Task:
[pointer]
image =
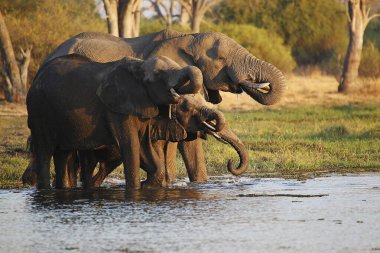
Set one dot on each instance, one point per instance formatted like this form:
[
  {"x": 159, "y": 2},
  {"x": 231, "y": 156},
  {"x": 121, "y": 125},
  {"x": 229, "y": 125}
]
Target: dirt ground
[{"x": 302, "y": 91}]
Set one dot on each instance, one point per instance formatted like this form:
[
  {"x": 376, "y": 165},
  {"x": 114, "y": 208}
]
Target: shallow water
[{"x": 328, "y": 214}]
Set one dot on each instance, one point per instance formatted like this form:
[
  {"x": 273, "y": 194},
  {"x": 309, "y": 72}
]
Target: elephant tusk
[
  {"x": 174, "y": 93},
  {"x": 217, "y": 137},
  {"x": 255, "y": 85},
  {"x": 210, "y": 127}
]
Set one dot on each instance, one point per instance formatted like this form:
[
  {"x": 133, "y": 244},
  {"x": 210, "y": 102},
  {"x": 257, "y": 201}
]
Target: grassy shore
[{"x": 303, "y": 136}]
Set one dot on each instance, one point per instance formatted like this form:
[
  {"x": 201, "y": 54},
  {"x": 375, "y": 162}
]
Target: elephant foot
[
  {"x": 147, "y": 184},
  {"x": 29, "y": 177}
]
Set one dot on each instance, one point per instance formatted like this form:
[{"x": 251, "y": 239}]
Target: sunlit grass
[{"x": 291, "y": 142}]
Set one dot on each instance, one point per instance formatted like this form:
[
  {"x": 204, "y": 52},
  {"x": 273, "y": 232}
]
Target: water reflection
[{"x": 62, "y": 198}]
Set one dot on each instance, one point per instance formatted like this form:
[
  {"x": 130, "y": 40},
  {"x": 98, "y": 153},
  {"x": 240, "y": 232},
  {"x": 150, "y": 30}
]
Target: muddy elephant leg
[
  {"x": 88, "y": 163},
  {"x": 153, "y": 162},
  {"x": 105, "y": 168},
  {"x": 43, "y": 156},
  {"x": 192, "y": 154},
  {"x": 29, "y": 177},
  {"x": 73, "y": 167},
  {"x": 130, "y": 153},
  {"x": 61, "y": 169},
  {"x": 170, "y": 162}
]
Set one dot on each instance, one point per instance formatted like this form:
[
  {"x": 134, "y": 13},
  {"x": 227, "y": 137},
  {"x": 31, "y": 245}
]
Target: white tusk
[
  {"x": 218, "y": 137},
  {"x": 208, "y": 126},
  {"x": 174, "y": 93},
  {"x": 255, "y": 85}
]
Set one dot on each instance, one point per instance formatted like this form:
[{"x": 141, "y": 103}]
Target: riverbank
[{"x": 312, "y": 131}]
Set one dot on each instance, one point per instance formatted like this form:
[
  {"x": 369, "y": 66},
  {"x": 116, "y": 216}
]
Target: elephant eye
[{"x": 186, "y": 106}]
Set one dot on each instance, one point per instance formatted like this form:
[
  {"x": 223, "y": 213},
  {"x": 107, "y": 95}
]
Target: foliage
[
  {"x": 371, "y": 34},
  {"x": 315, "y": 30},
  {"x": 370, "y": 62},
  {"x": 47, "y": 23}
]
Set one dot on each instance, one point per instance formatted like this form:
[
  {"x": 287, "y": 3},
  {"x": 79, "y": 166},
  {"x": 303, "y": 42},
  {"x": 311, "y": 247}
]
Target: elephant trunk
[
  {"x": 195, "y": 78},
  {"x": 261, "y": 80},
  {"x": 226, "y": 135},
  {"x": 208, "y": 115}
]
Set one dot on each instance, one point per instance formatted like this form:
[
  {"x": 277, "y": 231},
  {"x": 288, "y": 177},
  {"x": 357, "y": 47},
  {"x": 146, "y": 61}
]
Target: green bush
[
  {"x": 47, "y": 23},
  {"x": 315, "y": 30},
  {"x": 370, "y": 62}
]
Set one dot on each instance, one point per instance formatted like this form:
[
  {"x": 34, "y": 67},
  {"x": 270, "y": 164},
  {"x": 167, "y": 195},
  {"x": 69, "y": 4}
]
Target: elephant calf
[{"x": 77, "y": 104}]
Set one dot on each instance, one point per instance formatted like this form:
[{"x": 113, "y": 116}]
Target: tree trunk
[
  {"x": 354, "y": 50},
  {"x": 110, "y": 7},
  {"x": 196, "y": 16},
  {"x": 184, "y": 17},
  {"x": 24, "y": 65},
  {"x": 13, "y": 88},
  {"x": 129, "y": 18},
  {"x": 359, "y": 17}
]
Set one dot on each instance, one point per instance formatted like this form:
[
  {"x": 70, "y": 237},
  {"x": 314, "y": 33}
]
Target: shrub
[{"x": 370, "y": 62}]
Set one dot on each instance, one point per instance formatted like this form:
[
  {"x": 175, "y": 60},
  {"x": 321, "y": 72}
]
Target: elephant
[
  {"x": 225, "y": 65},
  {"x": 77, "y": 104},
  {"x": 109, "y": 158}
]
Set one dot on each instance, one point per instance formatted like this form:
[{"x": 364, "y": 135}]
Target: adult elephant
[
  {"x": 77, "y": 104},
  {"x": 225, "y": 65}
]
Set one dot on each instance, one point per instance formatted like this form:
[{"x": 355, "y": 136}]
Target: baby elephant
[{"x": 75, "y": 104}]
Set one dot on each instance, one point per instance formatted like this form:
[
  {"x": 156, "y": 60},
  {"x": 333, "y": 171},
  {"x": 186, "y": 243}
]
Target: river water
[{"x": 327, "y": 214}]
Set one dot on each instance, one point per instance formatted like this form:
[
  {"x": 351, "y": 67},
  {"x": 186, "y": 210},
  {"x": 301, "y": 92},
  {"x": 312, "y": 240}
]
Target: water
[{"x": 328, "y": 214}]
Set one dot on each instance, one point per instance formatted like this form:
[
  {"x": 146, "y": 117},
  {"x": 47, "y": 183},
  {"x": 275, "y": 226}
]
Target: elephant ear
[
  {"x": 167, "y": 130},
  {"x": 121, "y": 92}
]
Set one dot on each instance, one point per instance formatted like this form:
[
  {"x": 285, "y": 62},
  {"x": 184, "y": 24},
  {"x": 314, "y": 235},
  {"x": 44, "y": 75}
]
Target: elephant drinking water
[{"x": 77, "y": 104}]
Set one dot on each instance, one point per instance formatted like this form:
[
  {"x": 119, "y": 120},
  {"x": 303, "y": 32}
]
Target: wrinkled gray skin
[
  {"x": 77, "y": 104},
  {"x": 225, "y": 65}
]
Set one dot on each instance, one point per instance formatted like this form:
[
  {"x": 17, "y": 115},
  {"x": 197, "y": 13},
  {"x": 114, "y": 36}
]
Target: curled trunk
[
  {"x": 209, "y": 115},
  {"x": 227, "y": 135},
  {"x": 195, "y": 78},
  {"x": 266, "y": 73}
]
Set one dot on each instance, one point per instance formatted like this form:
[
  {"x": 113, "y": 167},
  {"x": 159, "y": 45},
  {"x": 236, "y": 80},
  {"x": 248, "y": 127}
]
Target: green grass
[{"x": 293, "y": 142}]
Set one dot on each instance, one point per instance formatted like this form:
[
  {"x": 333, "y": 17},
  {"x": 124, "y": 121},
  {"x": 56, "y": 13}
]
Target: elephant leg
[
  {"x": 43, "y": 156},
  {"x": 130, "y": 152},
  {"x": 73, "y": 167},
  {"x": 29, "y": 177},
  {"x": 170, "y": 162},
  {"x": 105, "y": 168},
  {"x": 88, "y": 163},
  {"x": 192, "y": 154},
  {"x": 61, "y": 165},
  {"x": 153, "y": 162}
]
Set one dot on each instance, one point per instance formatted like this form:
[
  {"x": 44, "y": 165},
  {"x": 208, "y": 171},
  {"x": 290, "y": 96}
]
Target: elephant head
[
  {"x": 138, "y": 87},
  {"x": 226, "y": 66}
]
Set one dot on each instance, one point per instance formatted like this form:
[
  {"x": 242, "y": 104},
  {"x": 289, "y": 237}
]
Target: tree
[
  {"x": 27, "y": 25},
  {"x": 358, "y": 18},
  {"x": 123, "y": 17},
  {"x": 165, "y": 11},
  {"x": 196, "y": 10},
  {"x": 14, "y": 77}
]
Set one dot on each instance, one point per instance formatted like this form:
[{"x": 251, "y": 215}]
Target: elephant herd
[{"x": 100, "y": 100}]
